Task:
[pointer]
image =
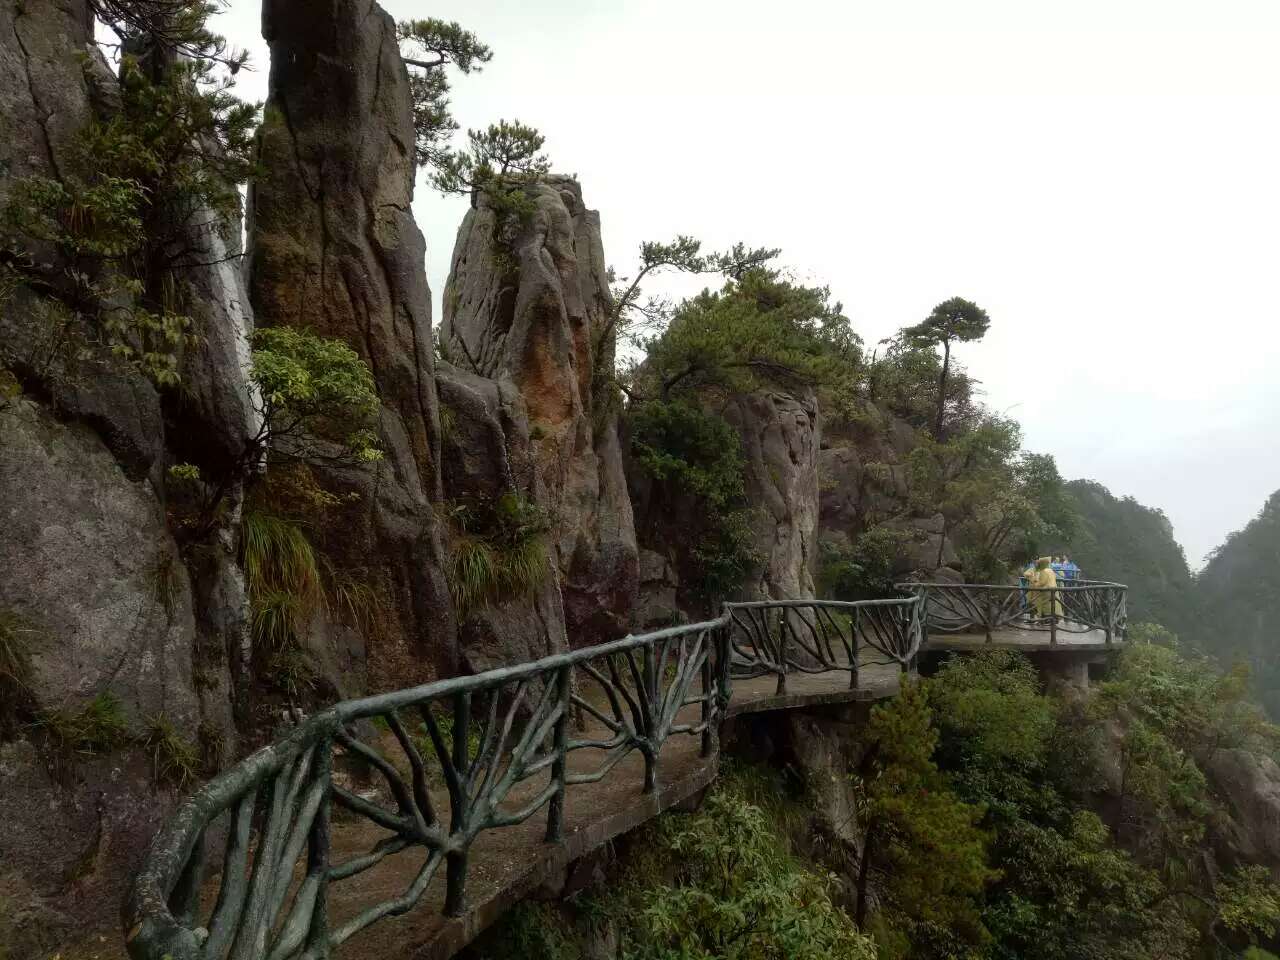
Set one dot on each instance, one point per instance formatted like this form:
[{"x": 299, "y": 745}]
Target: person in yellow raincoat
[{"x": 1043, "y": 603}]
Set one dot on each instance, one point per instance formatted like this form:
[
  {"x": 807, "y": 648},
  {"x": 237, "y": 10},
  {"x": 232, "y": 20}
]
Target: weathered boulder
[
  {"x": 780, "y": 440},
  {"x": 924, "y": 546},
  {"x": 334, "y": 249},
  {"x": 68, "y": 845},
  {"x": 532, "y": 310},
  {"x": 90, "y": 566}
]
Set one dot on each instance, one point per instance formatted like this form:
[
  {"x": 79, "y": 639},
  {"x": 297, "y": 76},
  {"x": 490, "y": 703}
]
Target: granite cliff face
[
  {"x": 863, "y": 483},
  {"x": 780, "y": 440},
  {"x": 527, "y": 312},
  {"x": 334, "y": 249},
  {"x": 95, "y": 584}
]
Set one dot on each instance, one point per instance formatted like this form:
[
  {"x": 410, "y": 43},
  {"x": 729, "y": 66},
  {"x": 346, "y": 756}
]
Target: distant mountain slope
[
  {"x": 1120, "y": 539},
  {"x": 1238, "y": 601}
]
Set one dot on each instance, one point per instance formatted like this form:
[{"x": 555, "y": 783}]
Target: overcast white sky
[{"x": 1102, "y": 176}]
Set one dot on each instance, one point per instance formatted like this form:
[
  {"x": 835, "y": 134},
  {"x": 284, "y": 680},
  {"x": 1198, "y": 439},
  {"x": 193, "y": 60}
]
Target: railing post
[
  {"x": 708, "y": 700},
  {"x": 922, "y": 611},
  {"x": 853, "y": 648},
  {"x": 317, "y": 944},
  {"x": 649, "y": 679},
  {"x": 1053, "y": 617},
  {"x": 456, "y": 862},
  {"x": 782, "y": 651},
  {"x": 649, "y": 676},
  {"x": 1111, "y": 613},
  {"x": 990, "y": 615},
  {"x": 555, "y": 812},
  {"x": 724, "y": 680}
]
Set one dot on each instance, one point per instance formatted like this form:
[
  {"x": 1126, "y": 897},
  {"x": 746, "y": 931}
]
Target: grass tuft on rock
[
  {"x": 499, "y": 550},
  {"x": 174, "y": 759}
]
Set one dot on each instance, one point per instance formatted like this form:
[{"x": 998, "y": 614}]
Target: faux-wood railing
[
  {"x": 1076, "y": 608},
  {"x": 482, "y": 737}
]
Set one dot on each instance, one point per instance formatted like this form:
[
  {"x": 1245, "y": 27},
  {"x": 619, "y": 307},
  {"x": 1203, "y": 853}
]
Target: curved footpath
[{"x": 353, "y": 836}]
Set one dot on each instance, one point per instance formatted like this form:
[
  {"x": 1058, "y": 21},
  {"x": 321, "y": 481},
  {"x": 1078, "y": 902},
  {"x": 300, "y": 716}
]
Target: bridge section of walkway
[{"x": 482, "y": 787}]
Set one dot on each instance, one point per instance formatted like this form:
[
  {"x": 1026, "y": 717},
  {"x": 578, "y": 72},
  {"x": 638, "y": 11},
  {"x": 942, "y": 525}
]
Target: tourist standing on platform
[{"x": 1043, "y": 601}]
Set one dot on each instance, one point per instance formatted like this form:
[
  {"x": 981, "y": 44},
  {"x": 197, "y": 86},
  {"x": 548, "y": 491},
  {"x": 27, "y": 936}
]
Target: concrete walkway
[{"x": 507, "y": 865}]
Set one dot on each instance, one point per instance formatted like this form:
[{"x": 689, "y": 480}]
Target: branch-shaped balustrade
[
  {"x": 817, "y": 636},
  {"x": 1078, "y": 607},
  {"x": 460, "y": 757}
]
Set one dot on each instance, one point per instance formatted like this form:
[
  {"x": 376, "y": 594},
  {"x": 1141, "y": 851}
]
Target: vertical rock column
[
  {"x": 528, "y": 312},
  {"x": 780, "y": 441},
  {"x": 334, "y": 249}
]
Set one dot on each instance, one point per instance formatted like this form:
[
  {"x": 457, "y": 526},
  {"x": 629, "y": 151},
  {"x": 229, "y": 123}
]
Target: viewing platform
[{"x": 403, "y": 824}]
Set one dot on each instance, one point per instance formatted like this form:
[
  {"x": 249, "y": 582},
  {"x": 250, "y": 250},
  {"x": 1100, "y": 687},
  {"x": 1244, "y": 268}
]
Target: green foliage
[
  {"x": 291, "y": 671},
  {"x": 921, "y": 839},
  {"x": 683, "y": 255},
  {"x": 317, "y": 393},
  {"x": 502, "y": 162},
  {"x": 864, "y": 570},
  {"x": 422, "y": 740},
  {"x": 1144, "y": 632},
  {"x": 758, "y": 330},
  {"x": 1171, "y": 714},
  {"x": 277, "y": 555},
  {"x": 428, "y": 47},
  {"x": 694, "y": 456},
  {"x": 954, "y": 320},
  {"x": 735, "y": 895},
  {"x": 721, "y": 884},
  {"x": 133, "y": 186},
  {"x": 184, "y": 473},
  {"x": 904, "y": 381},
  {"x": 531, "y": 930},
  {"x": 1249, "y": 902},
  {"x": 175, "y": 26},
  {"x": 695, "y": 451},
  {"x": 283, "y": 578},
  {"x": 503, "y": 157},
  {"x": 499, "y": 550},
  {"x": 174, "y": 759},
  {"x": 1066, "y": 887}
]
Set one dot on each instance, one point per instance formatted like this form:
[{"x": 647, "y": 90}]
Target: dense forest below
[{"x": 976, "y": 815}]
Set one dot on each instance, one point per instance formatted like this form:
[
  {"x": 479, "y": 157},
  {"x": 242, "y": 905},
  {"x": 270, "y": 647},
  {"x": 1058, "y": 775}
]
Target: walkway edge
[{"x": 461, "y": 931}]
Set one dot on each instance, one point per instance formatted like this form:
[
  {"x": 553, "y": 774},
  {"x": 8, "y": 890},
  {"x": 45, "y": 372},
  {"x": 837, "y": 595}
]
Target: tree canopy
[{"x": 954, "y": 320}]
